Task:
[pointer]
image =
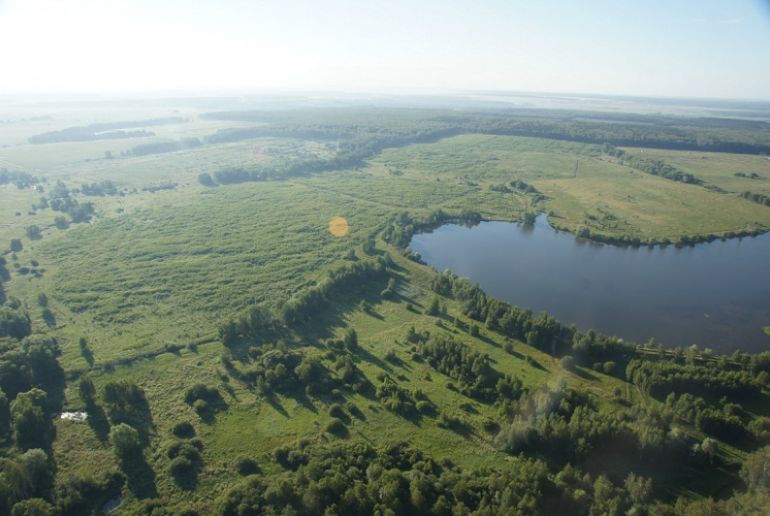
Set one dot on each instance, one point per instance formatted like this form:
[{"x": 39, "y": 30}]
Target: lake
[{"x": 715, "y": 294}]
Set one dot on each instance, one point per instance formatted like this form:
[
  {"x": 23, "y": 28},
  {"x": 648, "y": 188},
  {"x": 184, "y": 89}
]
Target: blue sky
[{"x": 677, "y": 48}]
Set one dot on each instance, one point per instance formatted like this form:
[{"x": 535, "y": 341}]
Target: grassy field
[
  {"x": 253, "y": 427},
  {"x": 718, "y": 168},
  {"x": 583, "y": 188},
  {"x": 167, "y": 267}
]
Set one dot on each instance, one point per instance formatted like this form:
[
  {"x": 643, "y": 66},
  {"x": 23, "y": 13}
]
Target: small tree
[
  {"x": 710, "y": 447},
  {"x": 87, "y": 392},
  {"x": 39, "y": 472},
  {"x": 16, "y": 245},
  {"x": 567, "y": 362},
  {"x": 34, "y": 233},
  {"x": 125, "y": 441},
  {"x": 206, "y": 180},
  {"x": 351, "y": 339},
  {"x": 33, "y": 429},
  {"x": 639, "y": 488},
  {"x": 61, "y": 222},
  {"x": 434, "y": 308},
  {"x": 755, "y": 471},
  {"x": 85, "y": 352}
]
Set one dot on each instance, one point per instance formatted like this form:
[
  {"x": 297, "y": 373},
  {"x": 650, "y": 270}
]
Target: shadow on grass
[
  {"x": 584, "y": 374},
  {"x": 273, "y": 402},
  {"x": 398, "y": 362},
  {"x": 461, "y": 428},
  {"x": 367, "y": 356},
  {"x": 485, "y": 339},
  {"x": 140, "y": 477},
  {"x": 357, "y": 413},
  {"x": 534, "y": 363},
  {"x": 516, "y": 354},
  {"x": 323, "y": 323},
  {"x": 98, "y": 422},
  {"x": 301, "y": 398}
]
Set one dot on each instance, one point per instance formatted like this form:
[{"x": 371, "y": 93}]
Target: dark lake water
[{"x": 714, "y": 294}]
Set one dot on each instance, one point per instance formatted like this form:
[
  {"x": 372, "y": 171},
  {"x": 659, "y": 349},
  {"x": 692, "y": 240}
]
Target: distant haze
[{"x": 716, "y": 49}]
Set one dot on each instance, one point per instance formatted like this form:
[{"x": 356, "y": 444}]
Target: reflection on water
[{"x": 714, "y": 294}]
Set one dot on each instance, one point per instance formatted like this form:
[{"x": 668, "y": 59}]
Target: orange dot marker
[{"x": 339, "y": 227}]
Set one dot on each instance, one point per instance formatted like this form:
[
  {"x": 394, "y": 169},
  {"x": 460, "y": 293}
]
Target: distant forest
[
  {"x": 654, "y": 131},
  {"x": 103, "y": 131}
]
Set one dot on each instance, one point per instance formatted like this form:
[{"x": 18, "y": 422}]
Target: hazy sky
[{"x": 663, "y": 48}]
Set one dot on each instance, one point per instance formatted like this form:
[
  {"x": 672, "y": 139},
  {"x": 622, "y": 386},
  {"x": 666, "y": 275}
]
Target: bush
[
  {"x": 336, "y": 427},
  {"x": 246, "y": 466},
  {"x": 567, "y": 363},
  {"x": 201, "y": 408},
  {"x": 14, "y": 323},
  {"x": 184, "y": 430},
  {"x": 490, "y": 426},
  {"x": 760, "y": 429},
  {"x": 182, "y": 469},
  {"x": 335, "y": 410},
  {"x": 424, "y": 407},
  {"x": 201, "y": 392}
]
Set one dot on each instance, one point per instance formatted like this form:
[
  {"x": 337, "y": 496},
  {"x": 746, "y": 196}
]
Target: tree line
[
  {"x": 102, "y": 131},
  {"x": 358, "y": 478},
  {"x": 261, "y": 322}
]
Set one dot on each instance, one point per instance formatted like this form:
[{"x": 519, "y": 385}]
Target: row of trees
[
  {"x": 472, "y": 370},
  {"x": 145, "y": 149},
  {"x": 659, "y": 378},
  {"x": 756, "y": 197},
  {"x": 652, "y": 166},
  {"x": 20, "y": 179},
  {"x": 100, "y": 189}
]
